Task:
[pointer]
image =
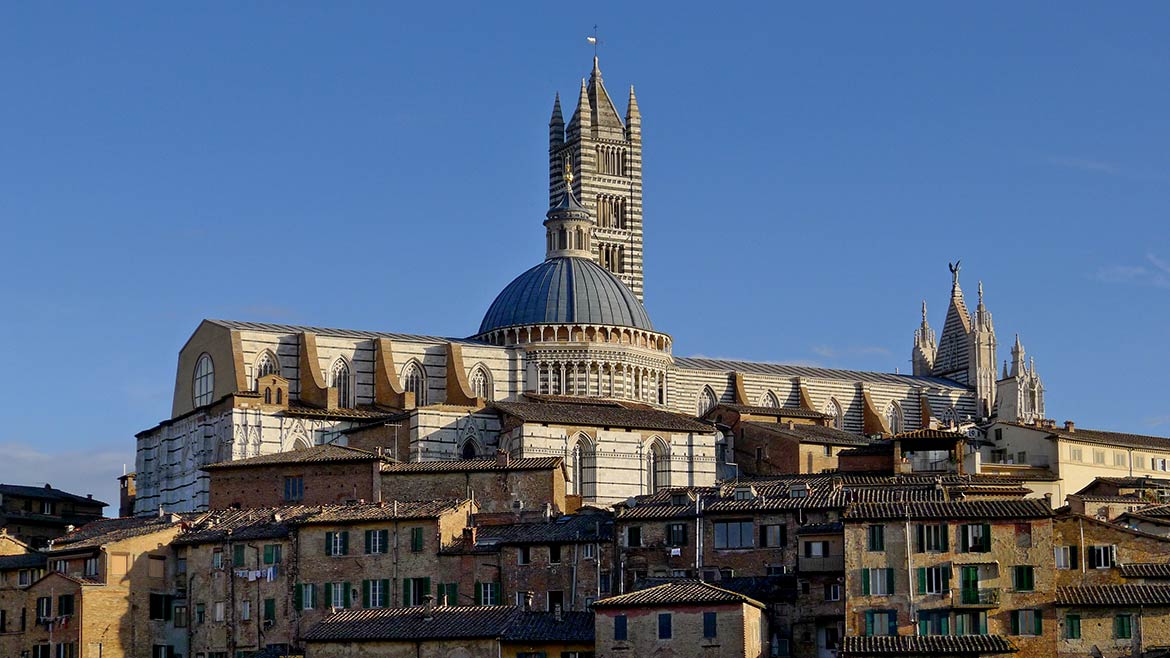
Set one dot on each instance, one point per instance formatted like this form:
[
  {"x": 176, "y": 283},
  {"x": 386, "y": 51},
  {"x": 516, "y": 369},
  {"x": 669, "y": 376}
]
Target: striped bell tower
[{"x": 605, "y": 155}]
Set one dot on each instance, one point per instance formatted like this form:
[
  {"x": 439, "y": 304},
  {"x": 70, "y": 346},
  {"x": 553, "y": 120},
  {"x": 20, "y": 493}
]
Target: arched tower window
[
  {"x": 481, "y": 383},
  {"x": 657, "y": 467},
  {"x": 707, "y": 400},
  {"x": 203, "y": 383},
  {"x": 894, "y": 417},
  {"x": 835, "y": 414},
  {"x": 950, "y": 418},
  {"x": 414, "y": 380},
  {"x": 266, "y": 364},
  {"x": 339, "y": 378},
  {"x": 580, "y": 453},
  {"x": 468, "y": 451},
  {"x": 770, "y": 400}
]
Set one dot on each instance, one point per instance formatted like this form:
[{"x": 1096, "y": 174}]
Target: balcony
[
  {"x": 821, "y": 563},
  {"x": 970, "y": 597}
]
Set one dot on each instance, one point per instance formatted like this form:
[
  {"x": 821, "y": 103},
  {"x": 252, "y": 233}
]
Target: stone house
[
  {"x": 326, "y": 474},
  {"x": 1112, "y": 621},
  {"x": 685, "y": 617},
  {"x": 958, "y": 567},
  {"x": 1089, "y": 551},
  {"x": 36, "y": 515},
  {"x": 502, "y": 484}
]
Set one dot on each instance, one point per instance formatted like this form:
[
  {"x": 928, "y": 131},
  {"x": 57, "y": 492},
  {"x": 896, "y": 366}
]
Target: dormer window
[
  {"x": 680, "y": 499},
  {"x": 745, "y": 493},
  {"x": 799, "y": 490}
]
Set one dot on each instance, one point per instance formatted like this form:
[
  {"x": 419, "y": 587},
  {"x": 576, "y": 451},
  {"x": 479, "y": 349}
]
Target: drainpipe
[
  {"x": 910, "y": 578},
  {"x": 576, "y": 558},
  {"x": 698, "y": 535},
  {"x": 1082, "y": 557}
]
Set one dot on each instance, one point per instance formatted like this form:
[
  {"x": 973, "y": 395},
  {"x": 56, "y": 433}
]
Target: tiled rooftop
[
  {"x": 1145, "y": 570},
  {"x": 1030, "y": 508},
  {"x": 461, "y": 465},
  {"x": 46, "y": 493},
  {"x": 510, "y": 624},
  {"x": 107, "y": 531},
  {"x": 789, "y": 371},
  {"x": 680, "y": 592},
  {"x": 924, "y": 645},
  {"x": 594, "y": 415},
  {"x": 1114, "y": 595},
  {"x": 817, "y": 434},
  {"x": 322, "y": 454},
  {"x": 787, "y": 412}
]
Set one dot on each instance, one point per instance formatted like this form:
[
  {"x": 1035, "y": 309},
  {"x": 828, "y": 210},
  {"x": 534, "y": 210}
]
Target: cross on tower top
[{"x": 594, "y": 40}]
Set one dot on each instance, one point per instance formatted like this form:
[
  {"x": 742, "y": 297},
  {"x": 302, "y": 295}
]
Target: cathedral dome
[{"x": 566, "y": 290}]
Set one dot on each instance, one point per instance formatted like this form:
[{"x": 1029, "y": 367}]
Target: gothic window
[
  {"x": 950, "y": 418},
  {"x": 836, "y": 416},
  {"x": 481, "y": 385},
  {"x": 468, "y": 450},
  {"x": 266, "y": 364},
  {"x": 580, "y": 452},
  {"x": 204, "y": 380},
  {"x": 339, "y": 376},
  {"x": 770, "y": 400},
  {"x": 414, "y": 380},
  {"x": 894, "y": 417},
  {"x": 707, "y": 400}
]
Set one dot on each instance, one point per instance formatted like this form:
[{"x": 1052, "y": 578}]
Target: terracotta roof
[
  {"x": 1029, "y": 508},
  {"x": 1162, "y": 510},
  {"x": 575, "y": 528},
  {"x": 384, "y": 511},
  {"x": 680, "y": 592},
  {"x": 818, "y": 434},
  {"x": 1113, "y": 595},
  {"x": 460, "y": 465},
  {"x": 1131, "y": 482},
  {"x": 322, "y": 454},
  {"x": 22, "y": 561},
  {"x": 444, "y": 623},
  {"x": 1103, "y": 437},
  {"x": 47, "y": 493},
  {"x": 651, "y": 511},
  {"x": 755, "y": 410},
  {"x": 108, "y": 531},
  {"x": 1145, "y": 570},
  {"x": 531, "y": 626},
  {"x": 892, "y": 645},
  {"x": 766, "y": 589},
  {"x": 593, "y": 415},
  {"x": 789, "y": 371},
  {"x": 927, "y": 433},
  {"x": 363, "y": 412},
  {"x": 1130, "y": 500}
]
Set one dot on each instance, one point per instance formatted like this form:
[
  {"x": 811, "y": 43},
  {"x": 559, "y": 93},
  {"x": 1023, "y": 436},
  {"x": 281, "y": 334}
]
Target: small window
[
  {"x": 1072, "y": 627},
  {"x": 377, "y": 541},
  {"x": 200, "y": 613},
  {"x": 270, "y": 610},
  {"x": 832, "y": 592},
  {"x": 774, "y": 535},
  {"x": 337, "y": 543},
  {"x": 219, "y": 610},
  {"x": 619, "y": 628},
  {"x": 676, "y": 534},
  {"x": 1102, "y": 557},
  {"x": 588, "y": 551},
  {"x": 523, "y": 555},
  {"x": 157, "y": 567},
  {"x": 1123, "y": 626},
  {"x": 1065, "y": 557},
  {"x": 877, "y": 538},
  {"x": 416, "y": 539},
  {"x": 710, "y": 625},
  {"x": 828, "y": 451},
  {"x": 245, "y": 610},
  {"x": 180, "y": 616},
  {"x": 1023, "y": 578},
  {"x": 881, "y": 622},
  {"x": 294, "y": 488},
  {"x": 877, "y": 582},
  {"x": 734, "y": 534},
  {"x": 272, "y": 553},
  {"x": 664, "y": 626},
  {"x": 1027, "y": 622},
  {"x": 217, "y": 558},
  {"x": 91, "y": 567},
  {"x": 554, "y": 554},
  {"x": 238, "y": 555},
  {"x": 634, "y": 536}
]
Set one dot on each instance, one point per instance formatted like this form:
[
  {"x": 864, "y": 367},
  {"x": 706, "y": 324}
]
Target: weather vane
[{"x": 593, "y": 40}]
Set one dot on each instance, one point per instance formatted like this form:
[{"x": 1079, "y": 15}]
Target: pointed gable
[
  {"x": 953, "y": 356},
  {"x": 604, "y": 114}
]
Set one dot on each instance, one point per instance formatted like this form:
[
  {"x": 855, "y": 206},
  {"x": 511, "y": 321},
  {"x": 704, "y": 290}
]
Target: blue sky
[{"x": 809, "y": 172}]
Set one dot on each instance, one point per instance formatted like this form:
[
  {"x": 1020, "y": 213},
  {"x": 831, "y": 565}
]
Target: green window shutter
[
  {"x": 478, "y": 593},
  {"x": 366, "y": 592},
  {"x": 299, "y": 597},
  {"x": 944, "y": 535},
  {"x": 268, "y": 554},
  {"x": 946, "y": 580},
  {"x": 1074, "y": 561},
  {"x": 385, "y": 592},
  {"x": 345, "y": 542},
  {"x": 369, "y": 542},
  {"x": 238, "y": 555},
  {"x": 892, "y": 628},
  {"x": 889, "y": 581},
  {"x": 328, "y": 588},
  {"x": 453, "y": 594},
  {"x": 1015, "y": 622},
  {"x": 945, "y": 626},
  {"x": 921, "y": 543},
  {"x": 921, "y": 576},
  {"x": 498, "y": 594},
  {"x": 986, "y": 542},
  {"x": 923, "y": 626},
  {"x": 865, "y": 582},
  {"x": 329, "y": 543},
  {"x": 426, "y": 586},
  {"x": 406, "y": 592},
  {"x": 1039, "y": 623},
  {"x": 346, "y": 593},
  {"x": 869, "y": 623},
  {"x": 385, "y": 543}
]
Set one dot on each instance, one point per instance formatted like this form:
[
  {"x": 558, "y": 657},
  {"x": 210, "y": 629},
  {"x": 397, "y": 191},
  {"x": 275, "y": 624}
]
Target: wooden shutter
[
  {"x": 921, "y": 576},
  {"x": 892, "y": 628},
  {"x": 426, "y": 586},
  {"x": 868, "y": 621},
  {"x": 328, "y": 587},
  {"x": 1038, "y": 623},
  {"x": 385, "y": 543},
  {"x": 889, "y": 581},
  {"x": 944, "y": 534},
  {"x": 1092, "y": 555},
  {"x": 385, "y": 592},
  {"x": 921, "y": 544},
  {"x": 865, "y": 585},
  {"x": 783, "y": 534},
  {"x": 369, "y": 542},
  {"x": 985, "y": 541},
  {"x": 346, "y": 594},
  {"x": 1015, "y": 622},
  {"x": 1074, "y": 561},
  {"x": 299, "y": 597},
  {"x": 366, "y": 589},
  {"x": 478, "y": 593},
  {"x": 345, "y": 542},
  {"x": 406, "y": 592},
  {"x": 946, "y": 581},
  {"x": 329, "y": 543}
]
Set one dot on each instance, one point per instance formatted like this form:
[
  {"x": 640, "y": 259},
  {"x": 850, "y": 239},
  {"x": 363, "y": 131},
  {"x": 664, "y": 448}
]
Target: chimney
[
  {"x": 791, "y": 425},
  {"x": 161, "y": 513},
  {"x": 1048, "y": 499},
  {"x": 502, "y": 458},
  {"x": 89, "y": 496},
  {"x": 547, "y": 512},
  {"x": 1070, "y": 426},
  {"x": 428, "y": 607},
  {"x": 557, "y": 613},
  {"x": 70, "y": 528},
  {"x": 528, "y": 601},
  {"x": 469, "y": 535}
]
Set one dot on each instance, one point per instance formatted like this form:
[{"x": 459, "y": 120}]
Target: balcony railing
[
  {"x": 983, "y": 597},
  {"x": 822, "y": 563}
]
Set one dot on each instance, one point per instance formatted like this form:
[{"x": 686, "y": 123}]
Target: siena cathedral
[{"x": 566, "y": 362}]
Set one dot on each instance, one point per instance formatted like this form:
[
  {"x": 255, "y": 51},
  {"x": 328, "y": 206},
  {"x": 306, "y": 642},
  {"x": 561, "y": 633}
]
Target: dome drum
[{"x": 594, "y": 334}]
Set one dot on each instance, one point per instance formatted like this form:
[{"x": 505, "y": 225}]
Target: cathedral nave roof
[{"x": 785, "y": 370}]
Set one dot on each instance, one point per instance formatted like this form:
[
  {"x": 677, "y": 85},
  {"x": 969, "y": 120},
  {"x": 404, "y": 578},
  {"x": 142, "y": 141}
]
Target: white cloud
[{"x": 1156, "y": 273}]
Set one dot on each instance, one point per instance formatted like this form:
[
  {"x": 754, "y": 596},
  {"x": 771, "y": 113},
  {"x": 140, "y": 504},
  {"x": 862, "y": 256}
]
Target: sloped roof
[
  {"x": 1028, "y": 508},
  {"x": 756, "y": 410},
  {"x": 680, "y": 592},
  {"x": 817, "y": 434},
  {"x": 1145, "y": 570},
  {"x": 22, "y": 561},
  {"x": 574, "y": 528},
  {"x": 594, "y": 415},
  {"x": 928, "y": 433},
  {"x": 892, "y": 645},
  {"x": 1102, "y": 437},
  {"x": 443, "y": 623},
  {"x": 1112, "y": 595},
  {"x": 532, "y": 626},
  {"x": 322, "y": 454},
  {"x": 461, "y": 465},
  {"x": 108, "y": 531},
  {"x": 47, "y": 493},
  {"x": 785, "y": 370},
  {"x": 269, "y": 327}
]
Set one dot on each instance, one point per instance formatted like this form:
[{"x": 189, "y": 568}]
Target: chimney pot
[
  {"x": 469, "y": 535},
  {"x": 1070, "y": 426},
  {"x": 502, "y": 458},
  {"x": 528, "y": 596},
  {"x": 428, "y": 607}
]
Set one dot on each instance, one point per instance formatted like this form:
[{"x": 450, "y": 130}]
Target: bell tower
[{"x": 604, "y": 154}]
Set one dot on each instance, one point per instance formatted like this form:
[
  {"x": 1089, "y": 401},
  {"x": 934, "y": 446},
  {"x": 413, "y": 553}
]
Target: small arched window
[
  {"x": 481, "y": 385},
  {"x": 266, "y": 364},
  {"x": 707, "y": 400},
  {"x": 770, "y": 400},
  {"x": 468, "y": 450},
  {"x": 279, "y": 396},
  {"x": 414, "y": 380},
  {"x": 657, "y": 467},
  {"x": 894, "y": 417},
  {"x": 204, "y": 381},
  {"x": 267, "y": 395},
  {"x": 341, "y": 381},
  {"x": 835, "y": 414}
]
